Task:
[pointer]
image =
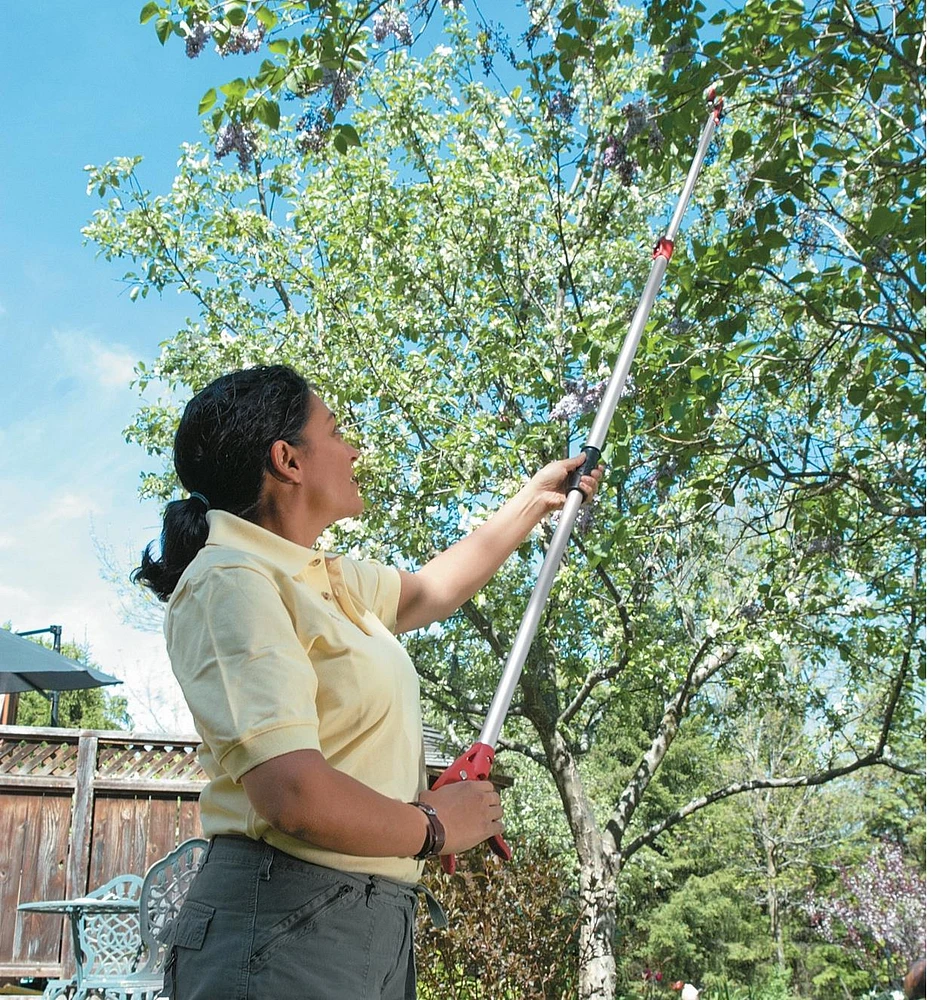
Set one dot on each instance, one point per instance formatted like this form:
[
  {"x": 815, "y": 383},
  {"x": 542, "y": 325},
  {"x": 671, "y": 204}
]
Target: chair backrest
[
  {"x": 163, "y": 891},
  {"x": 111, "y": 941}
]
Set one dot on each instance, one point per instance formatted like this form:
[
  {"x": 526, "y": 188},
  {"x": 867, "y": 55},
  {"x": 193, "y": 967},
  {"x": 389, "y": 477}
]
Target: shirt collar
[{"x": 233, "y": 532}]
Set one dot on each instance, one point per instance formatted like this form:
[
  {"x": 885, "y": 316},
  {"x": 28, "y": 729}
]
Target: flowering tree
[
  {"x": 454, "y": 266},
  {"x": 877, "y": 909}
]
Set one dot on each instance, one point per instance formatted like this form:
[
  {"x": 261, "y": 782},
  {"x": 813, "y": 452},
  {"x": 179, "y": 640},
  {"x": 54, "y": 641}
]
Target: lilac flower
[
  {"x": 615, "y": 157},
  {"x": 612, "y": 153},
  {"x": 312, "y": 131},
  {"x": 390, "y": 21},
  {"x": 583, "y": 398},
  {"x": 636, "y": 113},
  {"x": 751, "y": 611},
  {"x": 561, "y": 106},
  {"x": 585, "y": 517},
  {"x": 341, "y": 85},
  {"x": 828, "y": 545},
  {"x": 665, "y": 471},
  {"x": 242, "y": 41},
  {"x": 197, "y": 37},
  {"x": 240, "y": 138}
]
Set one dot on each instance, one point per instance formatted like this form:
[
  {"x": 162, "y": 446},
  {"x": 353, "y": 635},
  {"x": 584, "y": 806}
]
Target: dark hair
[{"x": 221, "y": 451}]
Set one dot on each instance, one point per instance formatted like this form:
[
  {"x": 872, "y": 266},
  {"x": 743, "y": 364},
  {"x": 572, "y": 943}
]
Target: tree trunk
[
  {"x": 597, "y": 969},
  {"x": 598, "y": 892},
  {"x": 772, "y": 902}
]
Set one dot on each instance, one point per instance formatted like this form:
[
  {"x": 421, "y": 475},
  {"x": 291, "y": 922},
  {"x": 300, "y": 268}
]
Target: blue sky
[{"x": 81, "y": 84}]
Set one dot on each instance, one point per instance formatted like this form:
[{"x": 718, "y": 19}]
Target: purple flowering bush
[{"x": 877, "y": 909}]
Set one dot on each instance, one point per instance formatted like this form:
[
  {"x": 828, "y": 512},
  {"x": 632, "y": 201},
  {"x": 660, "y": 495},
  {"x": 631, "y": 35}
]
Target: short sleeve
[
  {"x": 246, "y": 677},
  {"x": 373, "y": 586}
]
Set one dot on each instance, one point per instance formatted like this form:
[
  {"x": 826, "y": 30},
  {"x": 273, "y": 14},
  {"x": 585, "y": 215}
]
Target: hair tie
[{"x": 200, "y": 497}]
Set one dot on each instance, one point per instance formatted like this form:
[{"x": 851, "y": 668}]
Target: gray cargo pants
[{"x": 259, "y": 924}]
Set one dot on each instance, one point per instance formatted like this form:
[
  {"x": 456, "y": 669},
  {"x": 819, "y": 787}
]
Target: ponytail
[{"x": 183, "y": 534}]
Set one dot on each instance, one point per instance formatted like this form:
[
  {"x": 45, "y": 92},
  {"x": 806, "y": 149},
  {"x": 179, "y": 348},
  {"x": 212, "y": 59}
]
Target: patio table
[{"x": 75, "y": 909}]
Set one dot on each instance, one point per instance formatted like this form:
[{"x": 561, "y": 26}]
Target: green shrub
[{"x": 512, "y": 931}]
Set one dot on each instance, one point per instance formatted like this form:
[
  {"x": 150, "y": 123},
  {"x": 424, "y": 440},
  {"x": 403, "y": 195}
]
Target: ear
[{"x": 285, "y": 462}]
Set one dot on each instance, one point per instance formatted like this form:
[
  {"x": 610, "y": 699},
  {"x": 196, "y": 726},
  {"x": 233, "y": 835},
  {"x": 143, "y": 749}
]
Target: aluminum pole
[{"x": 511, "y": 673}]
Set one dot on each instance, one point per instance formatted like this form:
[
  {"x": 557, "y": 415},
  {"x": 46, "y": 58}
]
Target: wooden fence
[{"x": 78, "y": 807}]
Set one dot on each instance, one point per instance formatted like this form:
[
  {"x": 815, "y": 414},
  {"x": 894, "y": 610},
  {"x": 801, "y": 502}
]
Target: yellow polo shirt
[{"x": 279, "y": 648}]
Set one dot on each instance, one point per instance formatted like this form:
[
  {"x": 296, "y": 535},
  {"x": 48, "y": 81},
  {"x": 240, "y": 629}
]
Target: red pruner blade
[{"x": 474, "y": 765}]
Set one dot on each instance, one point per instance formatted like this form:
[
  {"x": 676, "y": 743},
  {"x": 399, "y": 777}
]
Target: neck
[{"x": 283, "y": 514}]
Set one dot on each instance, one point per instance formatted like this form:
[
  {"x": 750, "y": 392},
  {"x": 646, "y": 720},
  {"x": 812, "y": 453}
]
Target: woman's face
[{"x": 332, "y": 491}]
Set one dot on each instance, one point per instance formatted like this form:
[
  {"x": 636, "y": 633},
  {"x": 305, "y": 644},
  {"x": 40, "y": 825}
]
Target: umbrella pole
[{"x": 55, "y": 696}]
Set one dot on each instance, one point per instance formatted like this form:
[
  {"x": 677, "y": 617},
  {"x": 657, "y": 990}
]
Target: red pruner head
[
  {"x": 678, "y": 985},
  {"x": 715, "y": 101}
]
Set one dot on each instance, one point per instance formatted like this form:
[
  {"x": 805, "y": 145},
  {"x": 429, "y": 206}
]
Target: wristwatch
[{"x": 434, "y": 835}]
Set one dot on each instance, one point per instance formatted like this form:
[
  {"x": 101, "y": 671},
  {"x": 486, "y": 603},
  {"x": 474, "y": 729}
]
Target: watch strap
[{"x": 434, "y": 835}]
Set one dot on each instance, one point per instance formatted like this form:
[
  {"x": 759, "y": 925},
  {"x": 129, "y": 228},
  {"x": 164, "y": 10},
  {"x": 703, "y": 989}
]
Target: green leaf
[
  {"x": 163, "y": 29},
  {"x": 695, "y": 373},
  {"x": 207, "y": 101},
  {"x": 740, "y": 143},
  {"x": 268, "y": 112},
  {"x": 235, "y": 89},
  {"x": 340, "y": 142},
  {"x": 236, "y": 15},
  {"x": 351, "y": 137},
  {"x": 280, "y": 47},
  {"x": 267, "y": 17},
  {"x": 882, "y": 220},
  {"x": 857, "y": 394},
  {"x": 149, "y": 11}
]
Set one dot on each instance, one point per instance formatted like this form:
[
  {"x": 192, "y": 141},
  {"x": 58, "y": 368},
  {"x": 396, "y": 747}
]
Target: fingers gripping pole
[{"x": 477, "y": 761}]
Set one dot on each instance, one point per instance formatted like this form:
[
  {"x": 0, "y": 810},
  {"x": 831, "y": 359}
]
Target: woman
[{"x": 317, "y": 806}]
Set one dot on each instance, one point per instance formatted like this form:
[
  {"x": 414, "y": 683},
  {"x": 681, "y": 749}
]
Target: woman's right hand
[{"x": 470, "y": 812}]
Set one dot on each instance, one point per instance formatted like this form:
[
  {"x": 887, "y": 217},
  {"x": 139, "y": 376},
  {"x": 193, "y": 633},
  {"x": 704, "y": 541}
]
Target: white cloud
[
  {"x": 9, "y": 594},
  {"x": 109, "y": 365},
  {"x": 69, "y": 507}
]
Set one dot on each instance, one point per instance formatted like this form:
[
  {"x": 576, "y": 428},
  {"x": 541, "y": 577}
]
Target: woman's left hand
[{"x": 549, "y": 484}]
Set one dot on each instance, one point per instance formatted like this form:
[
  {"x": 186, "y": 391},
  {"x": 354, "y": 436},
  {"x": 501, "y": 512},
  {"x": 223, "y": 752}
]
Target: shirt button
[
  {"x": 326, "y": 595},
  {"x": 315, "y": 562}
]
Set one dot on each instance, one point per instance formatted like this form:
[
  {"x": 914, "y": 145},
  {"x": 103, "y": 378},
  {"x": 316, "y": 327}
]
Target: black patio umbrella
[{"x": 27, "y": 666}]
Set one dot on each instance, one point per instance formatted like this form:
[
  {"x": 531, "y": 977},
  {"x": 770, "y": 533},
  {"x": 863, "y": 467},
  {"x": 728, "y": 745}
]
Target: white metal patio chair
[
  {"x": 109, "y": 943},
  {"x": 162, "y": 894}
]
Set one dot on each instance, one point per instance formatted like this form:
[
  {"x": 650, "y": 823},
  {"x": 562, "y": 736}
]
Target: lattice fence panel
[
  {"x": 147, "y": 761},
  {"x": 38, "y": 758}
]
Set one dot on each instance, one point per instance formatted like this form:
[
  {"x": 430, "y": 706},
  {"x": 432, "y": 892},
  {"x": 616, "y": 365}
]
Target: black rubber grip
[{"x": 592, "y": 461}]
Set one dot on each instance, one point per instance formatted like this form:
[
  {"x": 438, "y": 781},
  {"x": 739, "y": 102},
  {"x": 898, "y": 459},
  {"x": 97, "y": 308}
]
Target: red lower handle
[{"x": 474, "y": 765}]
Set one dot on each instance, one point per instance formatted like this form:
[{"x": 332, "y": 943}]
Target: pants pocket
[
  {"x": 189, "y": 931},
  {"x": 300, "y": 922}
]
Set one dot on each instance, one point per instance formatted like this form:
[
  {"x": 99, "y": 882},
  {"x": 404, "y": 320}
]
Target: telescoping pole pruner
[{"x": 476, "y": 763}]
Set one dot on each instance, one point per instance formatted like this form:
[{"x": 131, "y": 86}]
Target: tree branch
[{"x": 673, "y": 712}]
